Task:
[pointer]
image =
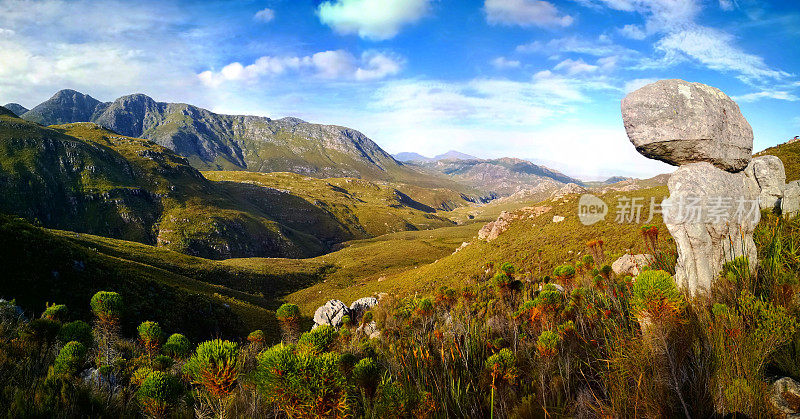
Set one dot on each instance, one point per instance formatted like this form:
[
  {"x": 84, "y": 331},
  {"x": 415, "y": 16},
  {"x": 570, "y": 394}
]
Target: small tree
[
  {"x": 157, "y": 393},
  {"x": 150, "y": 334},
  {"x": 177, "y": 346},
  {"x": 289, "y": 317},
  {"x": 107, "y": 307},
  {"x": 78, "y": 331},
  {"x": 215, "y": 369},
  {"x": 70, "y": 359},
  {"x": 55, "y": 312}
]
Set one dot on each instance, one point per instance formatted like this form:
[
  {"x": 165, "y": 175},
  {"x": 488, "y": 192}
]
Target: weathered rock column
[{"x": 713, "y": 205}]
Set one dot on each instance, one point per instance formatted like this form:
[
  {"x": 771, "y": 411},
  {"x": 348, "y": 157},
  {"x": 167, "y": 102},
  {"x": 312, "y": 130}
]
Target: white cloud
[
  {"x": 767, "y": 94},
  {"x": 265, "y": 15},
  {"x": 337, "y": 64},
  {"x": 371, "y": 19},
  {"x": 573, "y": 67},
  {"x": 600, "y": 47},
  {"x": 502, "y": 63},
  {"x": 525, "y": 13},
  {"x": 633, "y": 32},
  {"x": 726, "y": 5},
  {"x": 715, "y": 50}
]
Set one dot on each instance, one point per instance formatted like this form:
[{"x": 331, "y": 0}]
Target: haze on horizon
[{"x": 521, "y": 78}]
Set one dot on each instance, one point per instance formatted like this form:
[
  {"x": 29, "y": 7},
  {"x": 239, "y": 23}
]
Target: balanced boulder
[
  {"x": 711, "y": 214},
  {"x": 679, "y": 122},
  {"x": 769, "y": 174}
]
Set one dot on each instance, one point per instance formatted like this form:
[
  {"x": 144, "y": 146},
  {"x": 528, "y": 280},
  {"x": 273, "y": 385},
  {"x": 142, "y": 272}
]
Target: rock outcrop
[
  {"x": 769, "y": 174},
  {"x": 784, "y": 397},
  {"x": 679, "y": 122},
  {"x": 493, "y": 229},
  {"x": 712, "y": 209},
  {"x": 331, "y": 313},
  {"x": 361, "y": 306},
  {"x": 629, "y": 264},
  {"x": 790, "y": 203},
  {"x": 568, "y": 189}
]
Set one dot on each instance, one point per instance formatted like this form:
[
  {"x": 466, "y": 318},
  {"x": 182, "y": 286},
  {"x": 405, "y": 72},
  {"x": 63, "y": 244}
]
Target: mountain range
[{"x": 411, "y": 157}]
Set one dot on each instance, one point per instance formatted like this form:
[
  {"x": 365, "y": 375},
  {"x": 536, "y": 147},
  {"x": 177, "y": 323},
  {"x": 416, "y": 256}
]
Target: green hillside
[{"x": 789, "y": 153}]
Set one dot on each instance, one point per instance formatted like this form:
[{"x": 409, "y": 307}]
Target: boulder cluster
[
  {"x": 718, "y": 190},
  {"x": 333, "y": 311}
]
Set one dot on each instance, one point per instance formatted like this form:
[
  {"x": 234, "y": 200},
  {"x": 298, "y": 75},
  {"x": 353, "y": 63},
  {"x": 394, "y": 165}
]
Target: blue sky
[{"x": 523, "y": 78}]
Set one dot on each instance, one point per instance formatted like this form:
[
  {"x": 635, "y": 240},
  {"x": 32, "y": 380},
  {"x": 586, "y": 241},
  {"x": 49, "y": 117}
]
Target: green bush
[
  {"x": 367, "y": 375},
  {"x": 162, "y": 362},
  {"x": 288, "y": 312},
  {"x": 503, "y": 365},
  {"x": 256, "y": 336},
  {"x": 150, "y": 333},
  {"x": 107, "y": 305},
  {"x": 70, "y": 359},
  {"x": 564, "y": 272},
  {"x": 157, "y": 392},
  {"x": 302, "y": 383},
  {"x": 78, "y": 330},
  {"x": 656, "y": 297},
  {"x": 547, "y": 343},
  {"x": 508, "y": 268},
  {"x": 55, "y": 312},
  {"x": 177, "y": 346},
  {"x": 320, "y": 339},
  {"x": 215, "y": 367}
]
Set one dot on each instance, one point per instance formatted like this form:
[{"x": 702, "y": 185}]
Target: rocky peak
[
  {"x": 64, "y": 107},
  {"x": 16, "y": 108}
]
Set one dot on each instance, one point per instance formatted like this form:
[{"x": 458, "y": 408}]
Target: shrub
[
  {"x": 257, "y": 336},
  {"x": 157, "y": 392},
  {"x": 501, "y": 280},
  {"x": 107, "y": 306},
  {"x": 346, "y": 320},
  {"x": 78, "y": 330},
  {"x": 139, "y": 375},
  {"x": 320, "y": 339},
  {"x": 215, "y": 367},
  {"x": 177, "y": 346},
  {"x": 288, "y": 312},
  {"x": 367, "y": 375},
  {"x": 162, "y": 362},
  {"x": 70, "y": 359},
  {"x": 446, "y": 297},
  {"x": 564, "y": 273},
  {"x": 55, "y": 312},
  {"x": 656, "y": 297},
  {"x": 547, "y": 343},
  {"x": 508, "y": 268},
  {"x": 302, "y": 383},
  {"x": 150, "y": 334},
  {"x": 503, "y": 365}
]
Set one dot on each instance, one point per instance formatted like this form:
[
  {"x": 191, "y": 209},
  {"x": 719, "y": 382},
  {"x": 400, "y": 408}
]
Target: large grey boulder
[
  {"x": 629, "y": 264},
  {"x": 711, "y": 214},
  {"x": 790, "y": 202},
  {"x": 769, "y": 174},
  {"x": 331, "y": 313},
  {"x": 361, "y": 306},
  {"x": 679, "y": 122}
]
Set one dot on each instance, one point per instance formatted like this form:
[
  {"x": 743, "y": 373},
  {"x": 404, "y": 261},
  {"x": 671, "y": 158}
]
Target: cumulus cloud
[
  {"x": 633, "y": 32},
  {"x": 336, "y": 64},
  {"x": 371, "y": 19},
  {"x": 265, "y": 15},
  {"x": 502, "y": 63},
  {"x": 525, "y": 13}
]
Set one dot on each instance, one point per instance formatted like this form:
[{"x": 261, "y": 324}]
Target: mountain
[
  {"x": 504, "y": 176},
  {"x": 84, "y": 178},
  {"x": 16, "y": 108},
  {"x": 411, "y": 157},
  {"x": 211, "y": 141},
  {"x": 454, "y": 155}
]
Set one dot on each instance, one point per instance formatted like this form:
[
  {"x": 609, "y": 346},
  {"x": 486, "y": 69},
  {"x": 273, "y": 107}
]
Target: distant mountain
[
  {"x": 615, "y": 179},
  {"x": 454, "y": 155},
  {"x": 504, "y": 176},
  {"x": 212, "y": 141},
  {"x": 411, "y": 157},
  {"x": 16, "y": 108}
]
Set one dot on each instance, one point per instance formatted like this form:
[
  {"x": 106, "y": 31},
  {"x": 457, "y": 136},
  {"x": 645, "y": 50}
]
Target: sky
[{"x": 539, "y": 80}]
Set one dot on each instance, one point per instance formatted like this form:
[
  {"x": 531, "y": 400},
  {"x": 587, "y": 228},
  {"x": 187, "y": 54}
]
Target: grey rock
[
  {"x": 370, "y": 329},
  {"x": 331, "y": 313},
  {"x": 629, "y": 264},
  {"x": 711, "y": 214},
  {"x": 782, "y": 388},
  {"x": 770, "y": 175},
  {"x": 679, "y": 122},
  {"x": 558, "y": 218},
  {"x": 790, "y": 202},
  {"x": 361, "y": 306}
]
